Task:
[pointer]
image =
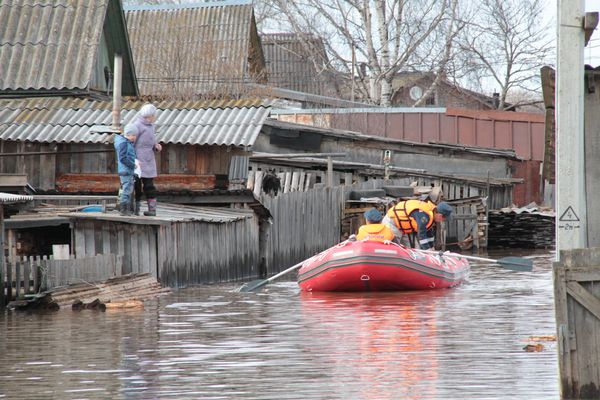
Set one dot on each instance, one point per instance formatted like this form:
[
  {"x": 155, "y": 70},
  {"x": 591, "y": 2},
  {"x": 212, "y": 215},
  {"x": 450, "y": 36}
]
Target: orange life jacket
[
  {"x": 400, "y": 214},
  {"x": 375, "y": 232}
]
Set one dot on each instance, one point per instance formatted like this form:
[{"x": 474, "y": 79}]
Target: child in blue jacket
[{"x": 126, "y": 166}]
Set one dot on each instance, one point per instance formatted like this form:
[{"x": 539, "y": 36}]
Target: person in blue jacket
[{"x": 126, "y": 167}]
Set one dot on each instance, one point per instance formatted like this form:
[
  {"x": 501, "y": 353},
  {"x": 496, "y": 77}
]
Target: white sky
[{"x": 592, "y": 50}]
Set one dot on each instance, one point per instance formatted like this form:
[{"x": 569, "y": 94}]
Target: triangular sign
[{"x": 569, "y": 215}]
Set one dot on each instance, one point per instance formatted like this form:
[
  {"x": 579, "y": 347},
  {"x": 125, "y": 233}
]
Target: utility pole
[{"x": 571, "y": 218}]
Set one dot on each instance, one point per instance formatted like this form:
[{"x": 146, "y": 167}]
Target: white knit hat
[
  {"x": 131, "y": 130},
  {"x": 147, "y": 110}
]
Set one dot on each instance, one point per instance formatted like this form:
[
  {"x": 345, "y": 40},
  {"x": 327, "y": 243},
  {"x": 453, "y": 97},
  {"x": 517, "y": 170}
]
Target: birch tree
[
  {"x": 506, "y": 45},
  {"x": 371, "y": 41}
]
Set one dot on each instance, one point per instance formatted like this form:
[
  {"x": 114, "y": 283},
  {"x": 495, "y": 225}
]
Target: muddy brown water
[{"x": 213, "y": 343}]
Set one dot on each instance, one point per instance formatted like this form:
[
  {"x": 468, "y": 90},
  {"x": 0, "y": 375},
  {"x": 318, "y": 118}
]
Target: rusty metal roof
[
  {"x": 235, "y": 122},
  {"x": 188, "y": 49},
  {"x": 53, "y": 45}
]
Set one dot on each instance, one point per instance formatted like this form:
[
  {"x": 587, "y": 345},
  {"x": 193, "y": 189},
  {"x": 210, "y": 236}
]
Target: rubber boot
[
  {"x": 124, "y": 209},
  {"x": 151, "y": 208},
  {"x": 138, "y": 207}
]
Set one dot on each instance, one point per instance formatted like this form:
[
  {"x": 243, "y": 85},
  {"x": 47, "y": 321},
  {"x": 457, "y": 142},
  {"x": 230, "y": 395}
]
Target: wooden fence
[
  {"x": 577, "y": 307},
  {"x": 307, "y": 222},
  {"x": 22, "y": 276},
  {"x": 304, "y": 223}
]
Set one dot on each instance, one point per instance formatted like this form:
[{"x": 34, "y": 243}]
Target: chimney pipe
[{"x": 116, "y": 110}]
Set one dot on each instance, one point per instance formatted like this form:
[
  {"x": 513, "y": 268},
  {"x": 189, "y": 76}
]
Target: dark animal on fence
[{"x": 271, "y": 183}]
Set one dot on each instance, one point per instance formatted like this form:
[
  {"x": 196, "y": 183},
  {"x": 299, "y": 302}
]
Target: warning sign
[
  {"x": 569, "y": 221},
  {"x": 569, "y": 215}
]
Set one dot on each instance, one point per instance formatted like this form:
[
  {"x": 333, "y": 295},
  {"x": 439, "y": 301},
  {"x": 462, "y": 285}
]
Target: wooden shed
[{"x": 51, "y": 141}]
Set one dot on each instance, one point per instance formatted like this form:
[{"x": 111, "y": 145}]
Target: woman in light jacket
[{"x": 145, "y": 147}]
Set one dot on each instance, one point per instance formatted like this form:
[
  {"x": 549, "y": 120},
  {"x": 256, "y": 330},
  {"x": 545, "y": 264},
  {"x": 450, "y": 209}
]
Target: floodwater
[{"x": 213, "y": 343}]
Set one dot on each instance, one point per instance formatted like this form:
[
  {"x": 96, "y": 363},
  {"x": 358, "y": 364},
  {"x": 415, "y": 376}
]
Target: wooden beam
[{"x": 109, "y": 183}]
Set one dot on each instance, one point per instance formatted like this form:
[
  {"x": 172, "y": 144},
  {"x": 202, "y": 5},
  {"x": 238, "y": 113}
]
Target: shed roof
[
  {"x": 297, "y": 62},
  {"x": 51, "y": 46},
  {"x": 8, "y": 198},
  {"x": 172, "y": 213},
  {"x": 360, "y": 137},
  {"x": 48, "y": 120},
  {"x": 193, "y": 48}
]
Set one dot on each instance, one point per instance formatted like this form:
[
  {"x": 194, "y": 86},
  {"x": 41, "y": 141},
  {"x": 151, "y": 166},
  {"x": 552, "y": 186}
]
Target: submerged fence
[{"x": 23, "y": 276}]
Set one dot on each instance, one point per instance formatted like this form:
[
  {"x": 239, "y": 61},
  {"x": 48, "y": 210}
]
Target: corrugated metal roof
[
  {"x": 8, "y": 198},
  {"x": 236, "y": 123},
  {"x": 169, "y": 213},
  {"x": 52, "y": 45},
  {"x": 297, "y": 62},
  {"x": 191, "y": 49},
  {"x": 49, "y": 44}
]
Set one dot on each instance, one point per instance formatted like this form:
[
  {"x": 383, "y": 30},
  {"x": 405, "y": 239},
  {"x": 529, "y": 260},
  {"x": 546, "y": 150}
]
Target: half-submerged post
[{"x": 577, "y": 307}]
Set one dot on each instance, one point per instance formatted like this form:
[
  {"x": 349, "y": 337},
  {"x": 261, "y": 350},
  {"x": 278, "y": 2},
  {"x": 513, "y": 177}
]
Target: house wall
[{"x": 43, "y": 170}]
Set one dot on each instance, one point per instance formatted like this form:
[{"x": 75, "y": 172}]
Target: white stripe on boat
[
  {"x": 342, "y": 253},
  {"x": 384, "y": 251}
]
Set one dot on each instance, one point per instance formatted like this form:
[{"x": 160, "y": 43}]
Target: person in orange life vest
[
  {"x": 374, "y": 230},
  {"x": 417, "y": 216}
]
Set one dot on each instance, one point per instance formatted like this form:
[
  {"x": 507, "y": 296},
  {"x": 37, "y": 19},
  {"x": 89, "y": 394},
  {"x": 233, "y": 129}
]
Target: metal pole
[
  {"x": 116, "y": 111},
  {"x": 329, "y": 172},
  {"x": 571, "y": 216}
]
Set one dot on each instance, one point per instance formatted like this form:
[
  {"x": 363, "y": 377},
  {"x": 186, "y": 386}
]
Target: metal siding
[
  {"x": 49, "y": 45},
  {"x": 395, "y": 126},
  {"x": 375, "y": 124},
  {"x": 412, "y": 127},
  {"x": 466, "y": 131},
  {"x": 537, "y": 136},
  {"x": 522, "y": 139},
  {"x": 431, "y": 127},
  {"x": 199, "y": 48},
  {"x": 485, "y": 133},
  {"x": 503, "y": 135}
]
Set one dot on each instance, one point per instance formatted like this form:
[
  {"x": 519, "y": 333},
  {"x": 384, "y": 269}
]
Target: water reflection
[
  {"x": 387, "y": 339},
  {"x": 214, "y": 343}
]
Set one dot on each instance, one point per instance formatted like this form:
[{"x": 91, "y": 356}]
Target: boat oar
[
  {"x": 250, "y": 286},
  {"x": 512, "y": 263}
]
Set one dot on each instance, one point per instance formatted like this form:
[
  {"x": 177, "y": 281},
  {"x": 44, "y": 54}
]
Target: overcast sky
[{"x": 592, "y": 51}]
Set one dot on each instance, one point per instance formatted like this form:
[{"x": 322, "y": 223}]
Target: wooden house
[
  {"x": 51, "y": 143},
  {"x": 189, "y": 50},
  {"x": 298, "y": 63},
  {"x": 409, "y": 87},
  {"x": 38, "y": 57}
]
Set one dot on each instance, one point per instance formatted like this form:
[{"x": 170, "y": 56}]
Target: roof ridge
[{"x": 167, "y": 7}]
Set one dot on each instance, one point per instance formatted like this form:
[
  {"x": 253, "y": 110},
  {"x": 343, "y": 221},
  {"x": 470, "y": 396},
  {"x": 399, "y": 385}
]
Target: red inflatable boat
[{"x": 375, "y": 266}]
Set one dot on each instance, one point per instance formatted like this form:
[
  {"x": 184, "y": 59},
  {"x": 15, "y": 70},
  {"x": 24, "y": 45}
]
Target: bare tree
[
  {"x": 506, "y": 44},
  {"x": 371, "y": 41}
]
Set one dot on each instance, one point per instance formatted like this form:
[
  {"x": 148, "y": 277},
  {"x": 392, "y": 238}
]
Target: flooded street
[{"x": 214, "y": 343}]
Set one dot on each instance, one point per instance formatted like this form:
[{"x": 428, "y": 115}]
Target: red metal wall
[{"x": 523, "y": 132}]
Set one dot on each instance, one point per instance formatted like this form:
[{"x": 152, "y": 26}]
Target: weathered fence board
[
  {"x": 577, "y": 307},
  {"x": 22, "y": 276}
]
